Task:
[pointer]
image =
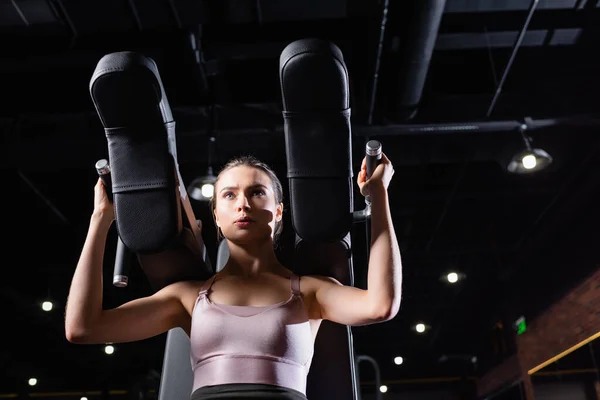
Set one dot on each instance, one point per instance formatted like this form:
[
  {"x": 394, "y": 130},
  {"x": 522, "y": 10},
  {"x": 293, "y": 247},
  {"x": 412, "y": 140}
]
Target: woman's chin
[{"x": 248, "y": 236}]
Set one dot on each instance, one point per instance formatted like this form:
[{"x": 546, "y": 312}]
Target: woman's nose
[{"x": 243, "y": 203}]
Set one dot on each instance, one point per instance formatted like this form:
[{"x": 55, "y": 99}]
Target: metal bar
[
  {"x": 373, "y": 362},
  {"x": 136, "y": 15},
  {"x": 20, "y": 12},
  {"x": 45, "y": 199},
  {"x": 516, "y": 47},
  {"x": 378, "y": 61},
  {"x": 490, "y": 55},
  {"x": 259, "y": 13},
  {"x": 68, "y": 19},
  {"x": 175, "y": 13}
]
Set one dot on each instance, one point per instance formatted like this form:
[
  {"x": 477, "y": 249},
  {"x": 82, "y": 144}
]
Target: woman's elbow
[
  {"x": 76, "y": 335},
  {"x": 388, "y": 312}
]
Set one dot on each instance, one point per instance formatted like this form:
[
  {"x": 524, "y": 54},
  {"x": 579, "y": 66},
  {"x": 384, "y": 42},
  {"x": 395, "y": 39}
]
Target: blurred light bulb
[
  {"x": 420, "y": 328},
  {"x": 452, "y": 277},
  {"x": 47, "y": 306},
  {"x": 529, "y": 161},
  {"x": 109, "y": 349},
  {"x": 398, "y": 360},
  {"x": 208, "y": 190},
  {"x": 32, "y": 382},
  {"x": 383, "y": 388}
]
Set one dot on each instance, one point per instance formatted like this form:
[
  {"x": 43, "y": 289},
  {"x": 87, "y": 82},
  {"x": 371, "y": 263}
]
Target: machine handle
[{"x": 123, "y": 255}]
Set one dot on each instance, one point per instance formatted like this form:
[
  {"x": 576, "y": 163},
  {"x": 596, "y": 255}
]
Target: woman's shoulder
[
  {"x": 185, "y": 287},
  {"x": 312, "y": 283},
  {"x": 320, "y": 278}
]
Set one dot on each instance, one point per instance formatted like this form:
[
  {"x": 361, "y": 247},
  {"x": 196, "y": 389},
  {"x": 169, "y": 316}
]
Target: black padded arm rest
[
  {"x": 130, "y": 100},
  {"x": 314, "y": 87}
]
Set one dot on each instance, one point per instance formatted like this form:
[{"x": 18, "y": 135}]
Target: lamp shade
[
  {"x": 529, "y": 160},
  {"x": 202, "y": 188}
]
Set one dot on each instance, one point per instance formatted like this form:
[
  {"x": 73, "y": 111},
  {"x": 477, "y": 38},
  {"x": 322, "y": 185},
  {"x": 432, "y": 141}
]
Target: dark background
[{"x": 521, "y": 241}]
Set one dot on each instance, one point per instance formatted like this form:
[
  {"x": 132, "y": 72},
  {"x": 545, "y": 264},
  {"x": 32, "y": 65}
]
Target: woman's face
[{"x": 245, "y": 204}]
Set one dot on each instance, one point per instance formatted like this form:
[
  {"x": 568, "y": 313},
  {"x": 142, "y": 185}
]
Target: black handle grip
[
  {"x": 122, "y": 265},
  {"x": 103, "y": 170},
  {"x": 123, "y": 255}
]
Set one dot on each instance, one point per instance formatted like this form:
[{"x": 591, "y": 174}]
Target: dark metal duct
[{"x": 416, "y": 48}]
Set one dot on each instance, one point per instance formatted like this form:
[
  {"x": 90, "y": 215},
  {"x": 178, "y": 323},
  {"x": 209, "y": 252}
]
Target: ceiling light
[
  {"x": 420, "y": 328},
  {"x": 452, "y": 277},
  {"x": 109, "y": 349},
  {"x": 529, "y": 159},
  {"x": 398, "y": 360},
  {"x": 47, "y": 306},
  {"x": 203, "y": 188},
  {"x": 32, "y": 382},
  {"x": 383, "y": 388}
]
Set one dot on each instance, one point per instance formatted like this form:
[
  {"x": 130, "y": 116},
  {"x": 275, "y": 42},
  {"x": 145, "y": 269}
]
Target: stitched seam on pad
[
  {"x": 113, "y": 69},
  {"x": 143, "y": 184}
]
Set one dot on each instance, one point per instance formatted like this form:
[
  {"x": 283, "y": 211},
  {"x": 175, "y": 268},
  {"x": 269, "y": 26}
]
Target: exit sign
[{"x": 520, "y": 325}]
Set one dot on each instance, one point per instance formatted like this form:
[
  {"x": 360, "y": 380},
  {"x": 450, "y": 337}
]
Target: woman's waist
[
  {"x": 246, "y": 391},
  {"x": 258, "y": 369}
]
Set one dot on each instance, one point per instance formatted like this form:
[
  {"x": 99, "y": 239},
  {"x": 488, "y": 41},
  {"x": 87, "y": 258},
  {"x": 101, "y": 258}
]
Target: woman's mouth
[{"x": 243, "y": 222}]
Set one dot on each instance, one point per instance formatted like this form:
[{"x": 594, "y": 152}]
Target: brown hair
[{"x": 253, "y": 162}]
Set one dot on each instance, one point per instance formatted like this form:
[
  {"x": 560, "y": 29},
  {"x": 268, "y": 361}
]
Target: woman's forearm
[
  {"x": 385, "y": 265},
  {"x": 84, "y": 304}
]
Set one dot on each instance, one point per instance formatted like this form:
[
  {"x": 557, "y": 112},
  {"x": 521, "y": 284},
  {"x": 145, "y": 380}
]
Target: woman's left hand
[{"x": 381, "y": 176}]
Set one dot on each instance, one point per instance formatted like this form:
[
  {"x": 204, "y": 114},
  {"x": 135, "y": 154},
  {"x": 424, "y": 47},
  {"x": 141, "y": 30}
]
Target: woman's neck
[{"x": 248, "y": 261}]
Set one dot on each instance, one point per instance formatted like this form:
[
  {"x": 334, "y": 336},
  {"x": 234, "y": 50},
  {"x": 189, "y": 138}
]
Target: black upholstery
[
  {"x": 316, "y": 111},
  {"x": 130, "y": 101},
  {"x": 177, "y": 378},
  {"x": 155, "y": 220},
  {"x": 314, "y": 88}
]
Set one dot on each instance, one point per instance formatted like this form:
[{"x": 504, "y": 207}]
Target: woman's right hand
[{"x": 102, "y": 205}]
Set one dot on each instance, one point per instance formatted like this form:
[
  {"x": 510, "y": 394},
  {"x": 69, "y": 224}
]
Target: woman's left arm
[{"x": 381, "y": 301}]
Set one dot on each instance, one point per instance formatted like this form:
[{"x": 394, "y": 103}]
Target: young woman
[{"x": 252, "y": 325}]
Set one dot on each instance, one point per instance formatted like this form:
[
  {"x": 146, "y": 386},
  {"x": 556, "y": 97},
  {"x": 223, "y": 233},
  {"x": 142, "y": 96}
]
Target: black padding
[
  {"x": 184, "y": 260},
  {"x": 305, "y": 65},
  {"x": 316, "y": 111},
  {"x": 332, "y": 374},
  {"x": 332, "y": 371},
  {"x": 176, "y": 380},
  {"x": 315, "y": 91},
  {"x": 130, "y": 100}
]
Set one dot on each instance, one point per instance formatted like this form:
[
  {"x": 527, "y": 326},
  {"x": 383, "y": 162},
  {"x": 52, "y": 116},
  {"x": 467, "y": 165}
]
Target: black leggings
[{"x": 242, "y": 391}]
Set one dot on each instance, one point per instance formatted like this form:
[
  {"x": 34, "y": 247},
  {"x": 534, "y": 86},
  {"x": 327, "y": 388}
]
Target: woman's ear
[
  {"x": 216, "y": 218},
  {"x": 279, "y": 212}
]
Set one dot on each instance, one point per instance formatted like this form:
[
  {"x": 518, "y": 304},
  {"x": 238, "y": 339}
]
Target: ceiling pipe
[
  {"x": 473, "y": 127},
  {"x": 419, "y": 38}
]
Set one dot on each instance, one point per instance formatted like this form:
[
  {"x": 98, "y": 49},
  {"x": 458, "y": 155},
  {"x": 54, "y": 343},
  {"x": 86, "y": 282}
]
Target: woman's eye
[
  {"x": 228, "y": 195},
  {"x": 259, "y": 192}
]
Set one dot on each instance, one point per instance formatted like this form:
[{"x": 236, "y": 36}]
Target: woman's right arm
[{"x": 85, "y": 319}]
